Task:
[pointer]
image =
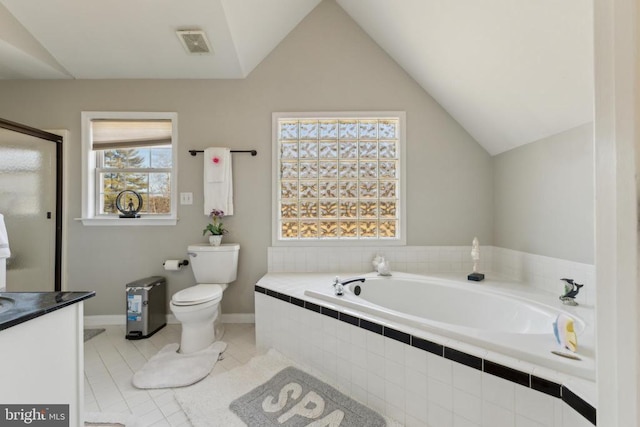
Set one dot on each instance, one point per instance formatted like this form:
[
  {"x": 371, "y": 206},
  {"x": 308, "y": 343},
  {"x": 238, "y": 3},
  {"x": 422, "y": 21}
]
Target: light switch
[{"x": 186, "y": 198}]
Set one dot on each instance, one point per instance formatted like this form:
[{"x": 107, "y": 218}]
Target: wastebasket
[{"x": 146, "y": 307}]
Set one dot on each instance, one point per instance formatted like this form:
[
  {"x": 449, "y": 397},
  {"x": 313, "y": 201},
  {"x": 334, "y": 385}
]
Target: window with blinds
[
  {"x": 133, "y": 155},
  {"x": 129, "y": 151},
  {"x": 338, "y": 177}
]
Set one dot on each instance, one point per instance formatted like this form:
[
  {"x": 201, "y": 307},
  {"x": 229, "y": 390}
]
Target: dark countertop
[{"x": 29, "y": 305}]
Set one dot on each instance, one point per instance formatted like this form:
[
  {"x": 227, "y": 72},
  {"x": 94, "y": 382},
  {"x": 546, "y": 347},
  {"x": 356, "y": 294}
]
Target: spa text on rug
[{"x": 294, "y": 398}]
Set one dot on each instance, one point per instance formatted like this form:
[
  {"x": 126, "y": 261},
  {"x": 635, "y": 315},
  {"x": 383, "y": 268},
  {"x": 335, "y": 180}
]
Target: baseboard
[
  {"x": 120, "y": 319},
  {"x": 104, "y": 320},
  {"x": 239, "y": 318}
]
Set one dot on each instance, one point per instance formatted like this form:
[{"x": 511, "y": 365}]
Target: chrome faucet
[
  {"x": 571, "y": 290},
  {"x": 338, "y": 286}
]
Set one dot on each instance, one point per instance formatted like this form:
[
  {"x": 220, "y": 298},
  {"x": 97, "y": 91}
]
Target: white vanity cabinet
[{"x": 42, "y": 360}]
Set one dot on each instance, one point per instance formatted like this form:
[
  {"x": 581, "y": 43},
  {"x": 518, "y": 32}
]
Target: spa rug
[
  {"x": 294, "y": 398},
  {"x": 168, "y": 368},
  {"x": 90, "y": 333},
  {"x": 207, "y": 404}
]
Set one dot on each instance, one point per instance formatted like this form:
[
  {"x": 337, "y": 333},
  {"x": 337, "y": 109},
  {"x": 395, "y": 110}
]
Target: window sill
[
  {"x": 339, "y": 242},
  {"x": 128, "y": 221}
]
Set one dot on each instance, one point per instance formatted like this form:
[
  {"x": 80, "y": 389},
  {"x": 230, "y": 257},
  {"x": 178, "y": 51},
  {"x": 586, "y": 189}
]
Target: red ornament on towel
[{"x": 216, "y": 160}]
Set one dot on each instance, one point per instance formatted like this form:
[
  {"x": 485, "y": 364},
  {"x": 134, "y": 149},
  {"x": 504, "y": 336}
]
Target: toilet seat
[{"x": 198, "y": 294}]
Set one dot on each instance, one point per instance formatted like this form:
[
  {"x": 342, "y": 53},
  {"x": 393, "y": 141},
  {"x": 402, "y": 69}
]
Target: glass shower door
[{"x": 28, "y": 202}]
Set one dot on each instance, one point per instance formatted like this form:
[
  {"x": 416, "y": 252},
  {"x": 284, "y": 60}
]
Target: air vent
[{"x": 194, "y": 41}]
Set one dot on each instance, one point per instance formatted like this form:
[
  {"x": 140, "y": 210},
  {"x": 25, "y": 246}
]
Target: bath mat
[
  {"x": 90, "y": 333},
  {"x": 295, "y": 398},
  {"x": 207, "y": 402},
  {"x": 168, "y": 368}
]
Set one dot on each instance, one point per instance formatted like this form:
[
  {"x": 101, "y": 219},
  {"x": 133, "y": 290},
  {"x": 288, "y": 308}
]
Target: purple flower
[{"x": 215, "y": 227}]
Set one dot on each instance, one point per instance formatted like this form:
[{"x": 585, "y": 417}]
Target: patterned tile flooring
[{"x": 110, "y": 361}]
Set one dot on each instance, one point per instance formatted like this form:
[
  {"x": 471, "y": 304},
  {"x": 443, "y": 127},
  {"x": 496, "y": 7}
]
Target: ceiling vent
[{"x": 194, "y": 41}]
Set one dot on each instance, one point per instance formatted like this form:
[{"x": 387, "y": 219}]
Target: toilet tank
[{"x": 214, "y": 264}]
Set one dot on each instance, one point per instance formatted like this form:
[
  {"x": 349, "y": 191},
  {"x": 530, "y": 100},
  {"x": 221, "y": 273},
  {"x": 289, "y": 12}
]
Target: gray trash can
[{"x": 146, "y": 307}]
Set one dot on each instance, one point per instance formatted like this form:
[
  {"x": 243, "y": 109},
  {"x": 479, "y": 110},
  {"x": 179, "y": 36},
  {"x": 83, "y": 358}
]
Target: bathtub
[
  {"x": 501, "y": 329},
  {"x": 503, "y": 317},
  {"x": 497, "y": 316},
  {"x": 447, "y": 306}
]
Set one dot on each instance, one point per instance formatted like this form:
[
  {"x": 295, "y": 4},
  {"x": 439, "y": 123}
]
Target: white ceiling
[{"x": 510, "y": 72}]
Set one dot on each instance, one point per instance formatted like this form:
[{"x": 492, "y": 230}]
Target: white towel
[
  {"x": 215, "y": 163},
  {"x": 4, "y": 240},
  {"x": 218, "y": 180}
]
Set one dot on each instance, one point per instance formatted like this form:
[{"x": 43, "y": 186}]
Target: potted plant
[{"x": 215, "y": 227}]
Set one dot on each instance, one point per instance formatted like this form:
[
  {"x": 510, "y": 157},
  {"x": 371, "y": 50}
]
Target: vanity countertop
[{"x": 29, "y": 305}]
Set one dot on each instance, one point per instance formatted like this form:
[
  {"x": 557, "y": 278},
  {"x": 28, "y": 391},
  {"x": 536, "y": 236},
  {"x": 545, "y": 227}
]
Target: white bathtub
[{"x": 499, "y": 317}]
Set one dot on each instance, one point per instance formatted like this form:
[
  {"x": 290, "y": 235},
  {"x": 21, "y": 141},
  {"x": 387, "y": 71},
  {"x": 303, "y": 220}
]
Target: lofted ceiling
[{"x": 510, "y": 72}]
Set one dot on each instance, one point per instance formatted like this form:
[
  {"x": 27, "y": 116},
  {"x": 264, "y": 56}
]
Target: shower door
[{"x": 28, "y": 203}]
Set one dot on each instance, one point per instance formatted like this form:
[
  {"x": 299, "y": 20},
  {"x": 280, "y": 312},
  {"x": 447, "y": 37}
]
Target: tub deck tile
[
  {"x": 397, "y": 335},
  {"x": 371, "y": 326},
  {"x": 349, "y": 319},
  {"x": 474, "y": 362},
  {"x": 297, "y": 301},
  {"x": 272, "y": 293},
  {"x": 311, "y": 306},
  {"x": 329, "y": 312},
  {"x": 507, "y": 373},
  {"x": 427, "y": 345},
  {"x": 580, "y": 405},
  {"x": 283, "y": 297},
  {"x": 545, "y": 386}
]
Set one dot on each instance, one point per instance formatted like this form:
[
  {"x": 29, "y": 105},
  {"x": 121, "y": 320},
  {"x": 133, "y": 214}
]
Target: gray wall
[
  {"x": 327, "y": 63},
  {"x": 544, "y": 196}
]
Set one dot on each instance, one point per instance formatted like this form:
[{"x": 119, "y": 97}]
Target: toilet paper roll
[{"x": 172, "y": 264}]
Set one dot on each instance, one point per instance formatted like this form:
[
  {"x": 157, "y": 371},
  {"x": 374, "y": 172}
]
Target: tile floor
[{"x": 110, "y": 361}]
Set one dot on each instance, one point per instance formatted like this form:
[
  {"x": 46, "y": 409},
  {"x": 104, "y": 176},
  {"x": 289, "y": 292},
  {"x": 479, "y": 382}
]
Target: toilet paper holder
[{"x": 182, "y": 263}]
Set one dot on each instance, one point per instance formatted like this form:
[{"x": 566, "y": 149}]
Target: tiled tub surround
[
  {"x": 538, "y": 271},
  {"x": 412, "y": 375},
  {"x": 543, "y": 272},
  {"x": 409, "y": 259}
]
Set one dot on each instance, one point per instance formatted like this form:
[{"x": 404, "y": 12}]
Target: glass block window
[{"x": 338, "y": 178}]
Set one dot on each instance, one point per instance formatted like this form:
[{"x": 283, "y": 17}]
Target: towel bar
[{"x": 253, "y": 152}]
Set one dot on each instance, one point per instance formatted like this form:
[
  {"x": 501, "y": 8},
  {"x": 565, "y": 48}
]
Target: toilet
[{"x": 197, "y": 307}]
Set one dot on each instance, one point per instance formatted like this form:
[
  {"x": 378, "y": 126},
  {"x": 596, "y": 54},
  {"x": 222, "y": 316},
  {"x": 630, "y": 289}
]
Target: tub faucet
[
  {"x": 571, "y": 290},
  {"x": 338, "y": 286}
]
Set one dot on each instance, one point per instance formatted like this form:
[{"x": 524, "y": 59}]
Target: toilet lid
[{"x": 197, "y": 294}]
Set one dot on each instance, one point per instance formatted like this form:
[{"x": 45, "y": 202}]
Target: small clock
[{"x": 129, "y": 203}]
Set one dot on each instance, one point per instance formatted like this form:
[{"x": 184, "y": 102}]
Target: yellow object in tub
[{"x": 565, "y": 333}]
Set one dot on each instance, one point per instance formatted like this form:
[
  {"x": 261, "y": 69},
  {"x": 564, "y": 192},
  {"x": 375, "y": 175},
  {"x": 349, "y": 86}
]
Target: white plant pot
[{"x": 215, "y": 240}]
